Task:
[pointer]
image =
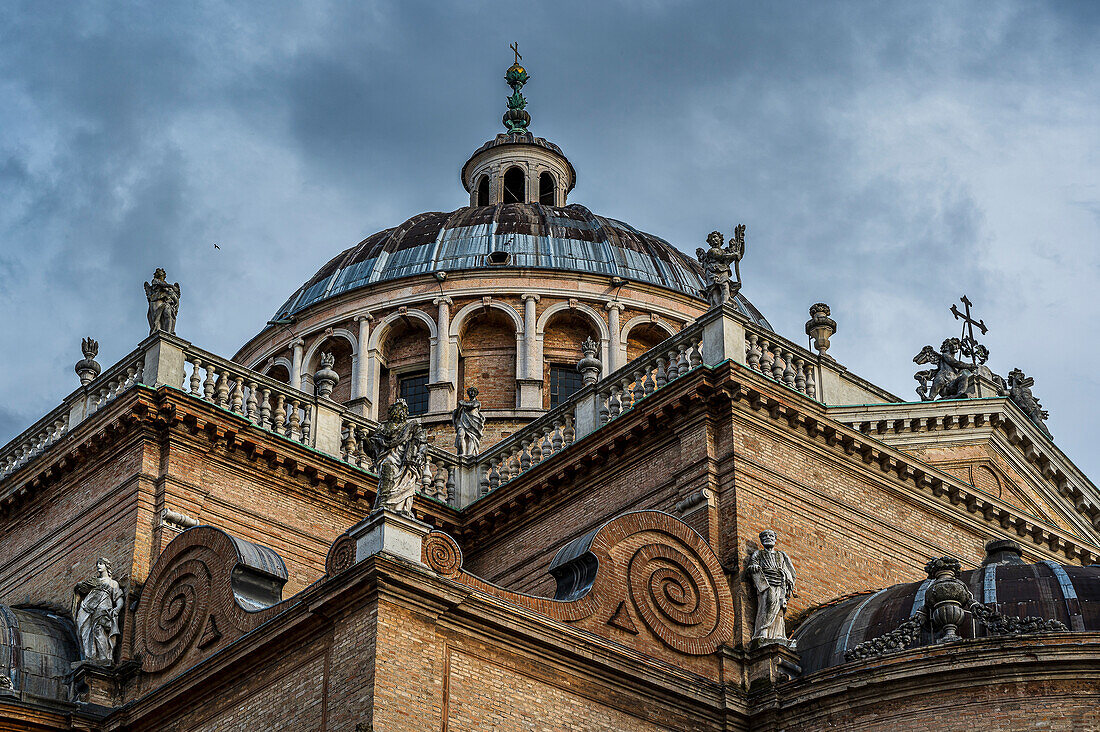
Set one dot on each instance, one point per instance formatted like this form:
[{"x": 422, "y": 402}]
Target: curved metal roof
[
  {"x": 37, "y": 649},
  {"x": 569, "y": 238},
  {"x": 1067, "y": 593}
]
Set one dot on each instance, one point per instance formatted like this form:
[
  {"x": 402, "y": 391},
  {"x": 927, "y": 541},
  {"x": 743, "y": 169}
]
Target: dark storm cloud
[{"x": 886, "y": 157}]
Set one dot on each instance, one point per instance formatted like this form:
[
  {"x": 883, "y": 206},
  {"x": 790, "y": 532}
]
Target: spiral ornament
[
  {"x": 441, "y": 553},
  {"x": 341, "y": 555},
  {"x": 177, "y": 609},
  {"x": 676, "y": 598}
]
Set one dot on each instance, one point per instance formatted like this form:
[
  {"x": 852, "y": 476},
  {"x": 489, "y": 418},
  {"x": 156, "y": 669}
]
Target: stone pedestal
[
  {"x": 441, "y": 397},
  {"x": 529, "y": 393},
  {"x": 391, "y": 533},
  {"x": 771, "y": 662},
  {"x": 95, "y": 683}
]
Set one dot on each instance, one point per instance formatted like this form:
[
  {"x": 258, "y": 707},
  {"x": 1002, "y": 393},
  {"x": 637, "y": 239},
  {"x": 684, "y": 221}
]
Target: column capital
[
  {"x": 530, "y": 296},
  {"x": 297, "y": 343},
  {"x": 615, "y": 305},
  {"x": 444, "y": 300},
  {"x": 363, "y": 317}
]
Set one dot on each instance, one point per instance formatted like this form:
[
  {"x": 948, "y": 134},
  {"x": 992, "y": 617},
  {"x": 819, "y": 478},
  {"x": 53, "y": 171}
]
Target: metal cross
[
  {"x": 515, "y": 49},
  {"x": 970, "y": 343}
]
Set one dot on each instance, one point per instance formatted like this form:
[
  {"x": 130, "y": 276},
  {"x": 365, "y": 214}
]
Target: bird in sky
[{"x": 216, "y": 246}]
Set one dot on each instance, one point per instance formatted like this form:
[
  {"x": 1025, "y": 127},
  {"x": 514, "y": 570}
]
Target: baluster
[
  {"x": 569, "y": 432},
  {"x": 208, "y": 384},
  {"x": 766, "y": 358},
  {"x": 265, "y": 409},
  {"x": 449, "y": 490},
  {"x": 673, "y": 368},
  {"x": 800, "y": 375},
  {"x": 493, "y": 476},
  {"x": 788, "y": 368},
  {"x": 752, "y": 354},
  {"x": 682, "y": 363},
  {"x": 648, "y": 385},
  {"x": 104, "y": 396},
  {"x": 439, "y": 482},
  {"x": 536, "y": 449},
  {"x": 238, "y": 396},
  {"x": 250, "y": 405},
  {"x": 553, "y": 440},
  {"x": 279, "y": 418},
  {"x": 294, "y": 422},
  {"x": 615, "y": 404},
  {"x": 811, "y": 386},
  {"x": 696, "y": 352},
  {"x": 777, "y": 362},
  {"x": 662, "y": 379},
  {"x": 638, "y": 391},
  {"x": 525, "y": 456},
  {"x": 222, "y": 389},
  {"x": 426, "y": 479},
  {"x": 307, "y": 423},
  {"x": 349, "y": 447},
  {"x": 196, "y": 378},
  {"x": 604, "y": 412}
]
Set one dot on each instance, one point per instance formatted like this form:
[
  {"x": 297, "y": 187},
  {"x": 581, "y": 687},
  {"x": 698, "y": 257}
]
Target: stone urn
[
  {"x": 87, "y": 368},
  {"x": 326, "y": 378},
  {"x": 589, "y": 366},
  {"x": 947, "y": 598},
  {"x": 820, "y": 327}
]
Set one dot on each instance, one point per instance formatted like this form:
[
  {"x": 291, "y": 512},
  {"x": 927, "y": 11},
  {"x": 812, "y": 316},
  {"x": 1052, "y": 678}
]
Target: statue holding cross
[{"x": 950, "y": 377}]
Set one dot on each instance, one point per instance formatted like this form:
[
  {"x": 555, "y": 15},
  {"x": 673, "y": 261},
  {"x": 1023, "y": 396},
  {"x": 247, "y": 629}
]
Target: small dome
[
  {"x": 511, "y": 235},
  {"x": 513, "y": 138},
  {"x": 37, "y": 650},
  {"x": 1069, "y": 594}
]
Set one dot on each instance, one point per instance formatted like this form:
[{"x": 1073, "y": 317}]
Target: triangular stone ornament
[
  {"x": 621, "y": 619},
  {"x": 210, "y": 633}
]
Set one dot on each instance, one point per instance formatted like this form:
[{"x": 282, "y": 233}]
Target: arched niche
[
  {"x": 641, "y": 334},
  {"x": 342, "y": 344},
  {"x": 487, "y": 356},
  {"x": 405, "y": 364},
  {"x": 562, "y": 335},
  {"x": 482, "y": 192},
  {"x": 278, "y": 369},
  {"x": 515, "y": 185}
]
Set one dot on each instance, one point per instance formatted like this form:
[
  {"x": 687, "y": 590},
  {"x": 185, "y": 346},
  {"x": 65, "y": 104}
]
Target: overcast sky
[{"x": 886, "y": 158}]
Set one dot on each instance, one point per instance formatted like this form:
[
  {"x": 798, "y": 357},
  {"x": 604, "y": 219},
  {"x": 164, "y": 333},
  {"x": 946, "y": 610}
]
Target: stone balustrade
[
  {"x": 781, "y": 361},
  {"x": 527, "y": 447}
]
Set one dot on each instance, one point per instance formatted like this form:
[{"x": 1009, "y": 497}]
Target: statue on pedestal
[
  {"x": 164, "y": 303},
  {"x": 1019, "y": 391},
  {"x": 949, "y": 378},
  {"x": 399, "y": 451},
  {"x": 469, "y": 424},
  {"x": 772, "y": 576},
  {"x": 721, "y": 285},
  {"x": 97, "y": 604}
]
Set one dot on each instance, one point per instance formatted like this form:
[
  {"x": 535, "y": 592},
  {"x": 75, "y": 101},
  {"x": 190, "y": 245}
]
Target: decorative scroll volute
[
  {"x": 190, "y": 607},
  {"x": 640, "y": 571},
  {"x": 341, "y": 555}
]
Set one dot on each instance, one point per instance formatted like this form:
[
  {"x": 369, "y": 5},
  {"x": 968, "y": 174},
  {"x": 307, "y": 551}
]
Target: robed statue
[
  {"x": 772, "y": 576},
  {"x": 399, "y": 451},
  {"x": 469, "y": 424},
  {"x": 164, "y": 303},
  {"x": 97, "y": 604},
  {"x": 722, "y": 283}
]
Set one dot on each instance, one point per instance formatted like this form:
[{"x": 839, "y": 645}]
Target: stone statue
[
  {"x": 772, "y": 577},
  {"x": 1019, "y": 391},
  {"x": 469, "y": 424},
  {"x": 950, "y": 378},
  {"x": 97, "y": 604},
  {"x": 326, "y": 378},
  {"x": 164, "y": 303},
  {"x": 399, "y": 451},
  {"x": 721, "y": 285}
]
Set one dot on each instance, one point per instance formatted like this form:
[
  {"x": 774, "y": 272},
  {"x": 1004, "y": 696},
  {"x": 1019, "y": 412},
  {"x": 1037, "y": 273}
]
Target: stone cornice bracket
[{"x": 694, "y": 501}]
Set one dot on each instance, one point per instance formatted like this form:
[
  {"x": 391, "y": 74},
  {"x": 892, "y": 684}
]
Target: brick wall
[
  {"x": 561, "y": 345},
  {"x": 487, "y": 348}
]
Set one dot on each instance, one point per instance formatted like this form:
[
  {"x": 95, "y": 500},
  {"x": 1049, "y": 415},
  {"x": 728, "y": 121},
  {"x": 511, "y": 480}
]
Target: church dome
[{"x": 507, "y": 236}]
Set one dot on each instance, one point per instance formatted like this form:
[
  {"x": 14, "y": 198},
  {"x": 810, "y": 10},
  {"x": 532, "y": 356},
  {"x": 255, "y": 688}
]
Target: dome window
[
  {"x": 546, "y": 190},
  {"x": 515, "y": 188},
  {"x": 498, "y": 258},
  {"x": 483, "y": 191}
]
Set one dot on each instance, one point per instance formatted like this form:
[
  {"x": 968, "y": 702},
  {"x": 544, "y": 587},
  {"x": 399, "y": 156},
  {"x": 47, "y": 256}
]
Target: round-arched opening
[
  {"x": 643, "y": 337},
  {"x": 487, "y": 359},
  {"x": 515, "y": 186},
  {"x": 341, "y": 351},
  {"x": 279, "y": 373},
  {"x": 547, "y": 190},
  {"x": 561, "y": 350},
  {"x": 483, "y": 191},
  {"x": 405, "y": 356}
]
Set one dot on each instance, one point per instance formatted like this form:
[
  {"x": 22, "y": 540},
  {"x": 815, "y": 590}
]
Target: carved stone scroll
[
  {"x": 341, "y": 555},
  {"x": 206, "y": 590},
  {"x": 644, "y": 570}
]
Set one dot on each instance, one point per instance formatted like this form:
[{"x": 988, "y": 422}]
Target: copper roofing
[
  {"x": 512, "y": 138},
  {"x": 37, "y": 650},
  {"x": 1067, "y": 593},
  {"x": 569, "y": 238}
]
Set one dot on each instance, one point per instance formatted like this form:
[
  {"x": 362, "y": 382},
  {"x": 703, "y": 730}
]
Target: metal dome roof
[
  {"x": 1066, "y": 593},
  {"x": 570, "y": 238}
]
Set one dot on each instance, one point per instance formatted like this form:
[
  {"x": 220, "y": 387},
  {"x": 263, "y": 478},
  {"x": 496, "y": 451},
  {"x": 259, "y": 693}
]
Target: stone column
[
  {"x": 441, "y": 382},
  {"x": 296, "y": 363},
  {"x": 530, "y": 383},
  {"x": 618, "y": 357},
  {"x": 359, "y": 364}
]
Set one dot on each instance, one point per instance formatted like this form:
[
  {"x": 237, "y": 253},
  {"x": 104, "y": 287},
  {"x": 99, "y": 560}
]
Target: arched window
[
  {"x": 546, "y": 190},
  {"x": 483, "y": 191},
  {"x": 515, "y": 188}
]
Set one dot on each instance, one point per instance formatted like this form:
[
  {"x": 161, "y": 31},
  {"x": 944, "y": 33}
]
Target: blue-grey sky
[{"x": 886, "y": 158}]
